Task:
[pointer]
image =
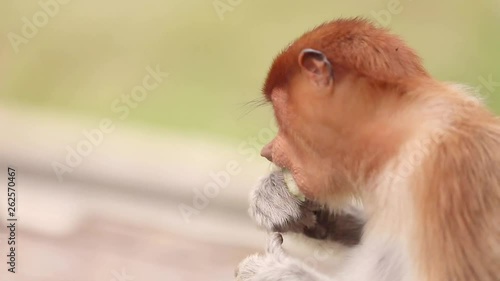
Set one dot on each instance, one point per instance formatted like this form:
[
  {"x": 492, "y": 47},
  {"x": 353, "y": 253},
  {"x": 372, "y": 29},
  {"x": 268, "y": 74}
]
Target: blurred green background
[{"x": 94, "y": 51}]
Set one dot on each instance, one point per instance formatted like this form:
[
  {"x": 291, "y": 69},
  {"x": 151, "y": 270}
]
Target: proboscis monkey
[{"x": 360, "y": 118}]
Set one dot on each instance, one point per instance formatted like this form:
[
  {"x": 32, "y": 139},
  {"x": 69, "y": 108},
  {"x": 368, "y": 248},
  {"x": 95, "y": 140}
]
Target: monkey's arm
[
  {"x": 274, "y": 208},
  {"x": 276, "y": 265}
]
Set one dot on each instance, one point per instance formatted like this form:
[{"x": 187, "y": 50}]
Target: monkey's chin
[{"x": 290, "y": 182}]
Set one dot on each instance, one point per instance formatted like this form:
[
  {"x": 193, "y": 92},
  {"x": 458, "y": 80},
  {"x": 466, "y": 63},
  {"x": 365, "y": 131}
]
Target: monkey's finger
[
  {"x": 274, "y": 245},
  {"x": 308, "y": 219},
  {"x": 313, "y": 206}
]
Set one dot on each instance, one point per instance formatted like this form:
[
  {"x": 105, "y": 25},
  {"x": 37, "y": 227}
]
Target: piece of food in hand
[
  {"x": 292, "y": 185},
  {"x": 275, "y": 208},
  {"x": 290, "y": 182}
]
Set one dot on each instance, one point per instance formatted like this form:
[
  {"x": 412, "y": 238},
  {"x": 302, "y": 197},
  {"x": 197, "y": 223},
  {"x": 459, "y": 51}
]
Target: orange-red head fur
[
  {"x": 354, "y": 45},
  {"x": 353, "y": 117}
]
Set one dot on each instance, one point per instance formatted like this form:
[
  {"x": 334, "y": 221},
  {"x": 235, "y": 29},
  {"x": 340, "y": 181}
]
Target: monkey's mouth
[{"x": 290, "y": 182}]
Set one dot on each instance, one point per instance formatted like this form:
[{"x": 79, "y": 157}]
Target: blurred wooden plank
[{"x": 105, "y": 250}]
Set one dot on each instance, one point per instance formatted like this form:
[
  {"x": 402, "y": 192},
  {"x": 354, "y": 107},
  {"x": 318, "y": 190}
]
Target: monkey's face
[
  {"x": 310, "y": 139},
  {"x": 336, "y": 105},
  {"x": 336, "y": 128}
]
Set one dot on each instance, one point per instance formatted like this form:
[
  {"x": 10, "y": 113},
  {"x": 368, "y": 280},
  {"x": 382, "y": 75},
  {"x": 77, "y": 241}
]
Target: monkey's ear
[{"x": 317, "y": 66}]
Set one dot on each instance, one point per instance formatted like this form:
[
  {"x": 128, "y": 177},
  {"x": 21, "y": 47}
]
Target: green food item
[{"x": 292, "y": 185}]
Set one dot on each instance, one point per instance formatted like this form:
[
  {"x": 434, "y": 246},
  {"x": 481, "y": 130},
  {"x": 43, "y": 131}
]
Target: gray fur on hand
[
  {"x": 274, "y": 208},
  {"x": 275, "y": 265}
]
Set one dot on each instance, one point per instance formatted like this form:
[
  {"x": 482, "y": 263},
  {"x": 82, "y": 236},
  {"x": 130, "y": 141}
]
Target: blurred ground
[
  {"x": 89, "y": 227},
  {"x": 99, "y": 245}
]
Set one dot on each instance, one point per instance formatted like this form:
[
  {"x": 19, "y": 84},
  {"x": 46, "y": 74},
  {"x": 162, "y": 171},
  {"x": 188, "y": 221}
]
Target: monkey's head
[{"x": 337, "y": 93}]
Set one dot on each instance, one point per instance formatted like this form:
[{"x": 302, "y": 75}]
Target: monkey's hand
[
  {"x": 275, "y": 265},
  {"x": 275, "y": 208}
]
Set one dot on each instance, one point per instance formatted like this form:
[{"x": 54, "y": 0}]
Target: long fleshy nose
[{"x": 267, "y": 151}]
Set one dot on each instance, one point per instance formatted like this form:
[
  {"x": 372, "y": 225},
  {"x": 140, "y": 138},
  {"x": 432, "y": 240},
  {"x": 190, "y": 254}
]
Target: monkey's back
[{"x": 458, "y": 206}]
